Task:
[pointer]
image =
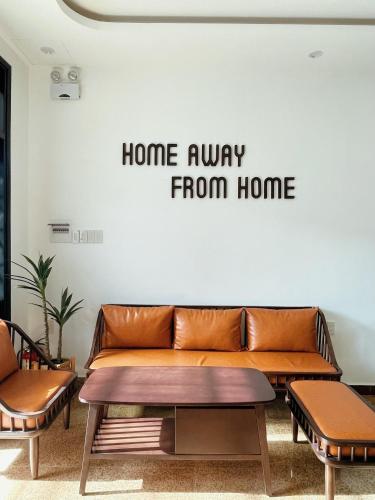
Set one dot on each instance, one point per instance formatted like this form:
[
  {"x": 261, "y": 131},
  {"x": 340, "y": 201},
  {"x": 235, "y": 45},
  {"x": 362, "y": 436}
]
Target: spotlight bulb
[{"x": 55, "y": 75}]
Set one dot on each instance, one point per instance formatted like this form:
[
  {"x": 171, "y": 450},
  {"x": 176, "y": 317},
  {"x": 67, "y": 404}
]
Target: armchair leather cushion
[
  {"x": 137, "y": 327},
  {"x": 208, "y": 329},
  {"x": 8, "y": 358},
  {"x": 281, "y": 329},
  {"x": 29, "y": 391}
]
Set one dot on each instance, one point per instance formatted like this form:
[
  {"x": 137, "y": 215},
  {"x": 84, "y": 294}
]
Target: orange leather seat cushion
[
  {"x": 337, "y": 411},
  {"x": 287, "y": 362},
  {"x": 207, "y": 329},
  {"x": 147, "y": 327},
  {"x": 281, "y": 329},
  {"x": 8, "y": 358},
  {"x": 30, "y": 390}
]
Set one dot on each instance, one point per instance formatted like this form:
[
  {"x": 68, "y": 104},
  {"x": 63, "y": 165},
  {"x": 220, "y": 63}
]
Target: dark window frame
[{"x": 6, "y": 309}]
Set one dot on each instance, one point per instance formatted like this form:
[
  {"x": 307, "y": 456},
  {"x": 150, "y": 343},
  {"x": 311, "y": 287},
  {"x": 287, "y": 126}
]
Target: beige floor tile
[{"x": 296, "y": 473}]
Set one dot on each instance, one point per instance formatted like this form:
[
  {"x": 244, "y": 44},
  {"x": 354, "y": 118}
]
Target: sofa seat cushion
[
  {"x": 137, "y": 327},
  {"x": 281, "y": 329},
  {"x": 8, "y": 358},
  {"x": 29, "y": 391},
  {"x": 286, "y": 362},
  {"x": 207, "y": 329}
]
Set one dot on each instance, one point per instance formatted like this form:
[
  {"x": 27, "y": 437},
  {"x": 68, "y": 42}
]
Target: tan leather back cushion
[
  {"x": 281, "y": 329},
  {"x": 137, "y": 326},
  {"x": 208, "y": 329},
  {"x": 8, "y": 358}
]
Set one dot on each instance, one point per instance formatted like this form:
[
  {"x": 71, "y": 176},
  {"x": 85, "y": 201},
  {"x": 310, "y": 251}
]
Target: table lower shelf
[{"x": 146, "y": 438}]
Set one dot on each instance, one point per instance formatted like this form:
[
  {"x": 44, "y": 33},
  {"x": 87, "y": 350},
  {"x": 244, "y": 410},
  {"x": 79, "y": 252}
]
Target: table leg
[
  {"x": 91, "y": 426},
  {"x": 294, "y": 428},
  {"x": 330, "y": 486},
  {"x": 261, "y": 420}
]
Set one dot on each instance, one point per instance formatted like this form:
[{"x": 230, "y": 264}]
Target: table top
[{"x": 177, "y": 386}]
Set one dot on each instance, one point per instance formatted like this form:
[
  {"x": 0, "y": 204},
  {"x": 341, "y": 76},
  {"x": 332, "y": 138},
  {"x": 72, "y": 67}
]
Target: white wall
[
  {"x": 318, "y": 249},
  {"x": 19, "y": 172}
]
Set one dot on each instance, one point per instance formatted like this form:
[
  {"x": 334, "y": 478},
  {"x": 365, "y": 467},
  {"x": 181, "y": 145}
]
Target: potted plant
[
  {"x": 61, "y": 316},
  {"x": 36, "y": 284}
]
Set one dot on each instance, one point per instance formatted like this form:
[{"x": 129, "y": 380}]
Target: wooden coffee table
[{"x": 219, "y": 415}]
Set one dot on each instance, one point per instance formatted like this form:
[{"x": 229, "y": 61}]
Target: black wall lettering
[
  {"x": 127, "y": 153},
  {"x": 193, "y": 155},
  {"x": 239, "y": 151},
  {"x": 210, "y": 157},
  {"x": 288, "y": 187},
  {"x": 155, "y": 153},
  {"x": 175, "y": 185},
  {"x": 270, "y": 184},
  {"x": 171, "y": 155},
  {"x": 242, "y": 187}
]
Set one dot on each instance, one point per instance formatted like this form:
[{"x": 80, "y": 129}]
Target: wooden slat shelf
[{"x": 135, "y": 436}]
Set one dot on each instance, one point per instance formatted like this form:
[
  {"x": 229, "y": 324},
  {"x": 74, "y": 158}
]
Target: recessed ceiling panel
[{"x": 253, "y": 8}]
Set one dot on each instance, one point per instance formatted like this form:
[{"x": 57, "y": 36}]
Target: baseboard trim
[{"x": 365, "y": 390}]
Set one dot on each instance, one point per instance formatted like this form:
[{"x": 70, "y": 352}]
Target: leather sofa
[{"x": 284, "y": 343}]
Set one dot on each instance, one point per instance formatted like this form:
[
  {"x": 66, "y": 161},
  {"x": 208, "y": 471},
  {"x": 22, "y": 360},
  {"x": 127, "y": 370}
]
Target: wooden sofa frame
[
  {"x": 61, "y": 401},
  {"x": 277, "y": 379},
  {"x": 321, "y": 444}
]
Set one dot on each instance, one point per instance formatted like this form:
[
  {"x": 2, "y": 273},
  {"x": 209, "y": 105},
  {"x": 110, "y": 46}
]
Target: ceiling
[
  {"x": 37, "y": 23},
  {"x": 257, "y": 8}
]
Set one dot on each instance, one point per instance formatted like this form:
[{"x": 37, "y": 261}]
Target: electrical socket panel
[{"x": 60, "y": 232}]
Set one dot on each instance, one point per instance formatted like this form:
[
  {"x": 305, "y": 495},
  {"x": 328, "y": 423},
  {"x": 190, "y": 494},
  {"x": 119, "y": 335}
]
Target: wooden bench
[
  {"x": 338, "y": 423},
  {"x": 30, "y": 399}
]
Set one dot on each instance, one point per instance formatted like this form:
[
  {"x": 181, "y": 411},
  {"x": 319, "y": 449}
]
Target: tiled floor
[{"x": 296, "y": 473}]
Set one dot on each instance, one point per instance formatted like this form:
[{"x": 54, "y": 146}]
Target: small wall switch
[
  {"x": 331, "y": 327},
  {"x": 83, "y": 236},
  {"x": 99, "y": 236},
  {"x": 75, "y": 237}
]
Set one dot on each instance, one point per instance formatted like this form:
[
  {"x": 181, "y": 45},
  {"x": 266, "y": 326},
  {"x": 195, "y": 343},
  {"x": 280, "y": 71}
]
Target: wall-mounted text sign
[{"x": 209, "y": 156}]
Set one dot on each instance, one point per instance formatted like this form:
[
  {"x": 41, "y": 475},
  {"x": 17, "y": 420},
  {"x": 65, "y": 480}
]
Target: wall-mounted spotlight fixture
[
  {"x": 56, "y": 75},
  {"x": 68, "y": 88},
  {"x": 73, "y": 74}
]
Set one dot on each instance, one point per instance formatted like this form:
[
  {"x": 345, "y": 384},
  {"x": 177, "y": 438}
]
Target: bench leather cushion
[
  {"x": 137, "y": 327},
  {"x": 281, "y": 329},
  {"x": 211, "y": 329},
  {"x": 29, "y": 391},
  {"x": 8, "y": 358},
  {"x": 268, "y": 362},
  {"x": 337, "y": 410}
]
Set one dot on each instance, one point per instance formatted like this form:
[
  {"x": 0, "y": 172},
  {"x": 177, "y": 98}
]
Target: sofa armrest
[
  {"x": 96, "y": 345},
  {"x": 324, "y": 342}
]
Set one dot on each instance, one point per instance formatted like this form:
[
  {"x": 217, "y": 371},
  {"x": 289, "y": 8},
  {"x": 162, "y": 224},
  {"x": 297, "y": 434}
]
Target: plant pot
[{"x": 65, "y": 364}]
